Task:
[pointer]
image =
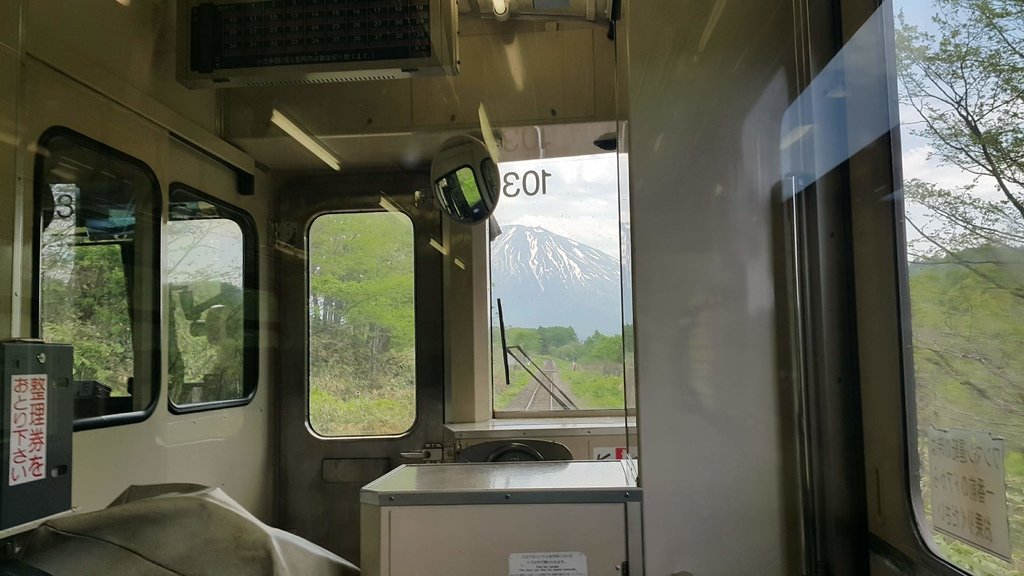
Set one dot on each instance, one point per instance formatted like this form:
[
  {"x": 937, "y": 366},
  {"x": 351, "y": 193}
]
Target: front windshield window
[{"x": 555, "y": 270}]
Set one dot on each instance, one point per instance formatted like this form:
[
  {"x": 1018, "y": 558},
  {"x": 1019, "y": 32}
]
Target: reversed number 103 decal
[{"x": 530, "y": 183}]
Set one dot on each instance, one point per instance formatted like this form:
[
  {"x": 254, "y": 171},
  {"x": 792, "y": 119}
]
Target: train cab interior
[{"x": 523, "y": 287}]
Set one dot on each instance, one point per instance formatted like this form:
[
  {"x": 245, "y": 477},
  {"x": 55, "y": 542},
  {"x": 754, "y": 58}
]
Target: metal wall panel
[
  {"x": 557, "y": 69},
  {"x": 481, "y": 539},
  {"x": 10, "y": 23},
  {"x": 467, "y": 323},
  {"x": 707, "y": 97},
  {"x": 9, "y": 82},
  {"x": 132, "y": 41},
  {"x": 230, "y": 448}
]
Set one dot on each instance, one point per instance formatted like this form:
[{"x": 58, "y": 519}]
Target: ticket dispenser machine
[{"x": 37, "y": 421}]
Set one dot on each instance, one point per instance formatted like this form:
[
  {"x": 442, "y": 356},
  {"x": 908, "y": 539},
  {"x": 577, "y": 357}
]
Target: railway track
[{"x": 537, "y": 397}]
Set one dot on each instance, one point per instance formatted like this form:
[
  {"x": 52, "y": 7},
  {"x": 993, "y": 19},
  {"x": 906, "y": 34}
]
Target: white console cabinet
[{"x": 575, "y": 518}]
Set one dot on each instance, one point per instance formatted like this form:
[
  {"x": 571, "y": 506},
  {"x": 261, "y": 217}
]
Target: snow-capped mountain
[{"x": 544, "y": 279}]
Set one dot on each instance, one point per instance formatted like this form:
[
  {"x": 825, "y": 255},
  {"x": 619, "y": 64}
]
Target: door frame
[{"x": 319, "y": 478}]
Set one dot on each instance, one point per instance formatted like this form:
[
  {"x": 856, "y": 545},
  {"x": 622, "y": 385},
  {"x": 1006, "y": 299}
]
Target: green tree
[
  {"x": 964, "y": 78},
  {"x": 528, "y": 338},
  {"x": 554, "y": 337},
  {"x": 965, "y": 81},
  {"x": 84, "y": 294},
  {"x": 362, "y": 286},
  {"x": 601, "y": 348}
]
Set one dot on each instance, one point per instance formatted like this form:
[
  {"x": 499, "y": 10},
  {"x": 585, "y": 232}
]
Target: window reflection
[{"x": 211, "y": 358}]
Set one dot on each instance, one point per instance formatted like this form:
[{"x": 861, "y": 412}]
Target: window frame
[
  {"x": 895, "y": 514},
  {"x": 857, "y": 208},
  {"x": 908, "y": 456},
  {"x": 923, "y": 534},
  {"x": 308, "y": 388},
  {"x": 250, "y": 303},
  {"x": 154, "y": 221}
]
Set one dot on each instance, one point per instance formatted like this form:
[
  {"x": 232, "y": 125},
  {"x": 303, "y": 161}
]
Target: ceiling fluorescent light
[{"x": 307, "y": 140}]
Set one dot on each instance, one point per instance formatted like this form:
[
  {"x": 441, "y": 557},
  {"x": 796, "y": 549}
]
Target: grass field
[{"x": 368, "y": 413}]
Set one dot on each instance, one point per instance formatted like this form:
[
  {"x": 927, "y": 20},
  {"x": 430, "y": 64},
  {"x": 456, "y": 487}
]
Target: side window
[
  {"x": 961, "y": 116},
  {"x": 211, "y": 308},
  {"x": 97, "y": 214},
  {"x": 362, "y": 328}
]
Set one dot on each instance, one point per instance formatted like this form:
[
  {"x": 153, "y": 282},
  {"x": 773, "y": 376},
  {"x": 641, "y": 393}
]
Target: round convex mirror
[{"x": 465, "y": 180}]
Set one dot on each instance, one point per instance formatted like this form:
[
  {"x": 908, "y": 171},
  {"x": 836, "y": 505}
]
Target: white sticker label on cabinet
[
  {"x": 547, "y": 564},
  {"x": 27, "y": 461},
  {"x": 968, "y": 486}
]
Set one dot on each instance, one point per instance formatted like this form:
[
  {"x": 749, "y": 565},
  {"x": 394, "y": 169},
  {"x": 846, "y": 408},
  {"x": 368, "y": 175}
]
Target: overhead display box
[{"x": 225, "y": 43}]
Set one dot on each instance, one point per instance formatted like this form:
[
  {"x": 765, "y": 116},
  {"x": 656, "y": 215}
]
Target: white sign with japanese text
[
  {"x": 968, "y": 486},
  {"x": 27, "y": 460},
  {"x": 547, "y": 564}
]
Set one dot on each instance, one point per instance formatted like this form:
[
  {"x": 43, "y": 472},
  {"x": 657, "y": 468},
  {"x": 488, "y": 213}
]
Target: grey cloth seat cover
[{"x": 175, "y": 529}]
